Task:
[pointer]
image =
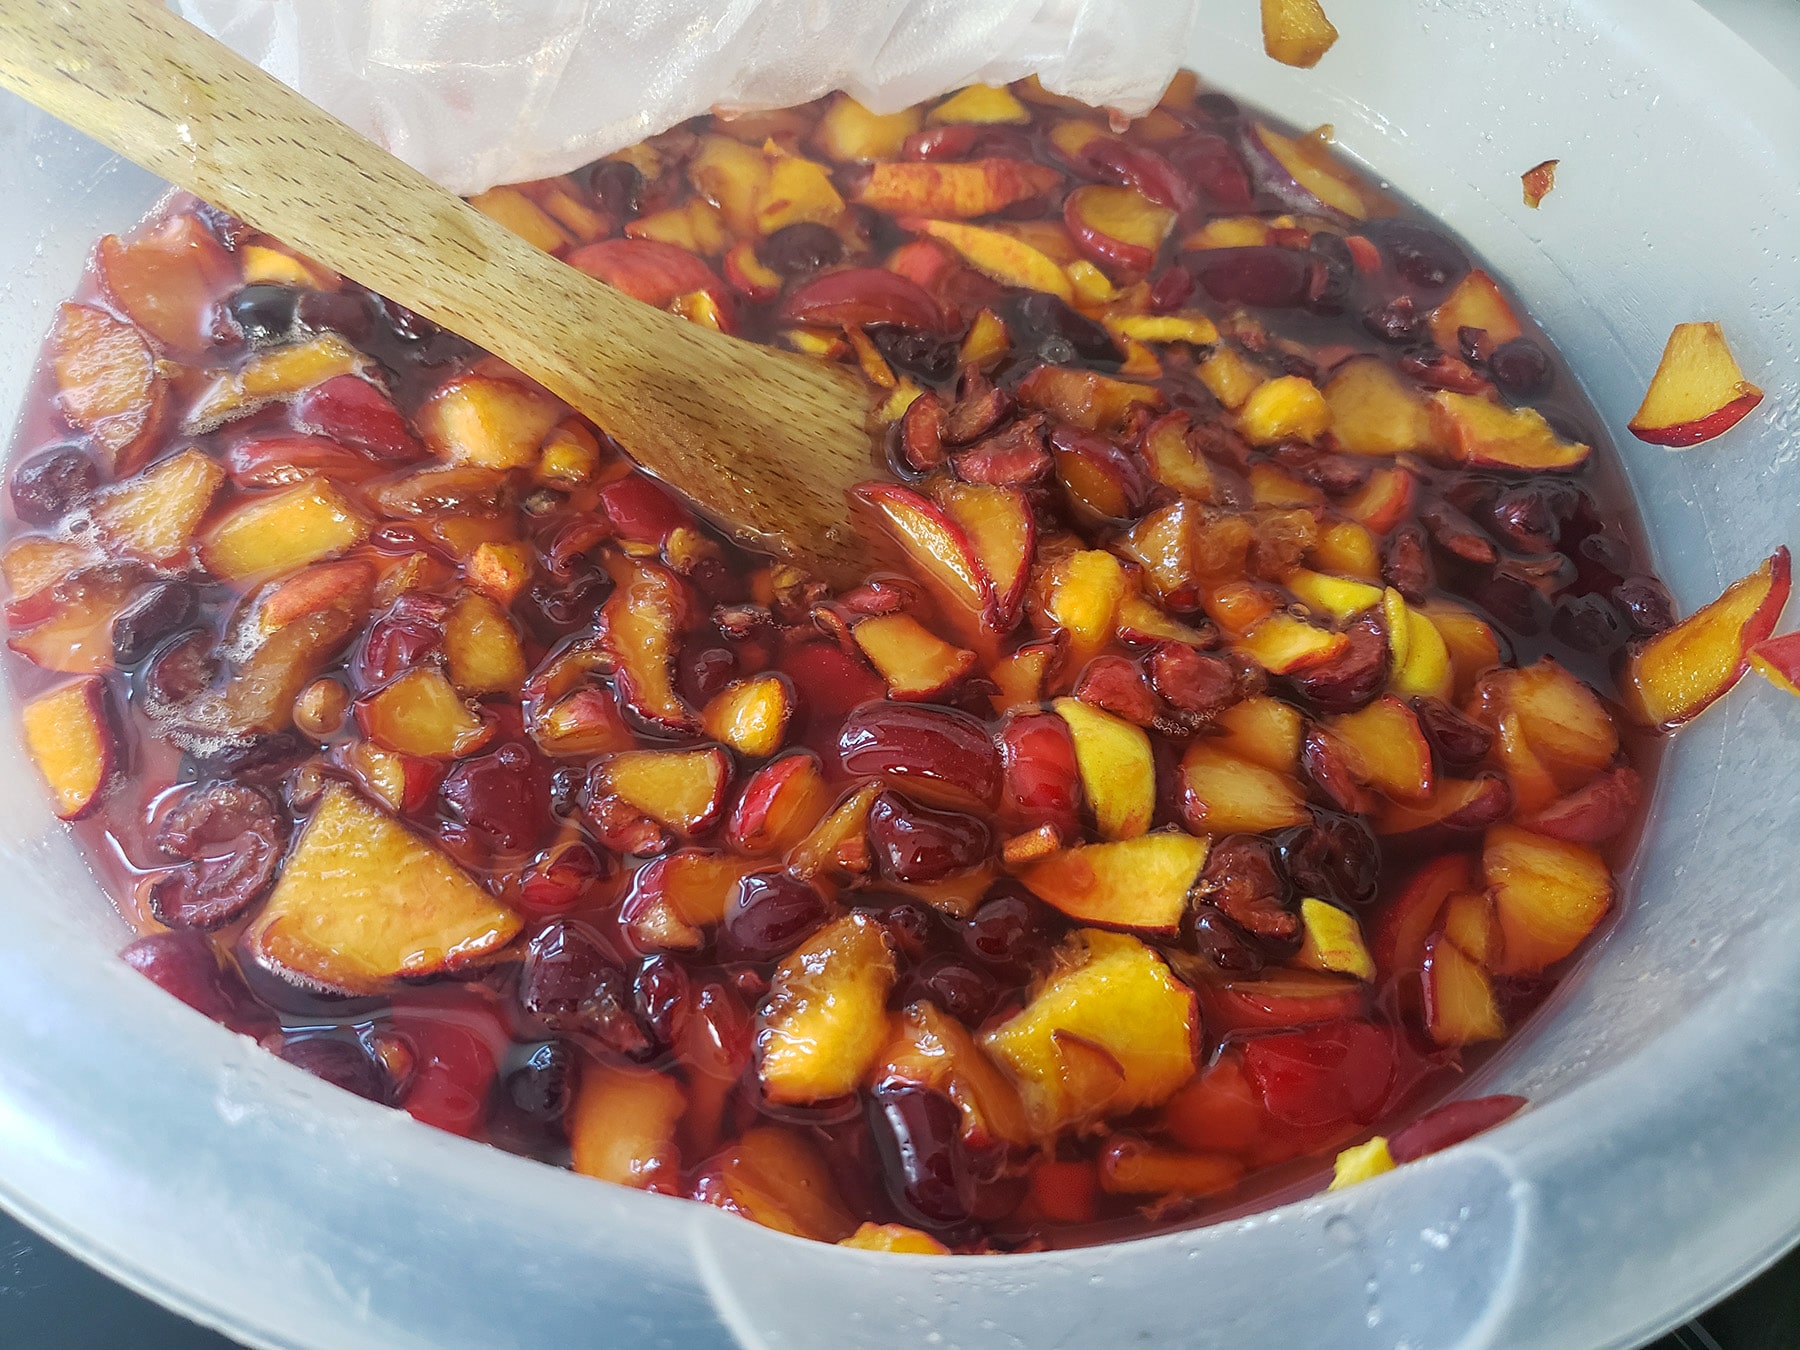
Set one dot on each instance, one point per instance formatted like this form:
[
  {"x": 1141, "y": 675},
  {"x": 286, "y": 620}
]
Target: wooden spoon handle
[{"x": 766, "y": 442}]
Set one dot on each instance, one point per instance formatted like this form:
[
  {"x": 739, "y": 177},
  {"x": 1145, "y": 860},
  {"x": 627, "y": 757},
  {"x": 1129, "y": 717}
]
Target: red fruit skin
[
  {"x": 1592, "y": 813},
  {"x": 1715, "y": 423},
  {"x": 830, "y": 683},
  {"x": 654, "y": 272},
  {"x": 455, "y": 1061},
  {"x": 863, "y": 295},
  {"x": 351, "y": 411},
  {"x": 641, "y": 509},
  {"x": 1449, "y": 1124},
  {"x": 922, "y": 749},
  {"x": 1337, "y": 1073},
  {"x": 1041, "y": 784}
]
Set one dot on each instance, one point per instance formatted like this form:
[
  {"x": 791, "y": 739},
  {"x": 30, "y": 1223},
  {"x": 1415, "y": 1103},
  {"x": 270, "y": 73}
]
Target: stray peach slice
[
  {"x": 955, "y": 190},
  {"x": 1481, "y": 432},
  {"x": 69, "y": 735},
  {"x": 1374, "y": 411},
  {"x": 1459, "y": 998},
  {"x": 271, "y": 535},
  {"x": 1113, "y": 997},
  {"x": 1548, "y": 896},
  {"x": 918, "y": 665},
  {"x": 850, "y": 134},
  {"x": 1477, "y": 303},
  {"x": 622, "y": 1126},
  {"x": 1332, "y": 941},
  {"x": 642, "y": 622},
  {"x": 154, "y": 515},
  {"x": 494, "y": 423},
  {"x": 1538, "y": 182},
  {"x": 1140, "y": 884},
  {"x": 1698, "y": 392},
  {"x": 107, "y": 382},
  {"x": 683, "y": 789},
  {"x": 1116, "y": 766},
  {"x": 1675, "y": 675},
  {"x": 894, "y": 1237},
  {"x": 421, "y": 713},
  {"x": 362, "y": 901},
  {"x": 1133, "y": 1167},
  {"x": 1225, "y": 795},
  {"x": 1363, "y": 1162},
  {"x": 1118, "y": 227},
  {"x": 1778, "y": 661},
  {"x": 751, "y": 716},
  {"x": 1008, "y": 260},
  {"x": 1296, "y": 32},
  {"x": 824, "y": 1022},
  {"x": 482, "y": 648},
  {"x": 774, "y": 1175}
]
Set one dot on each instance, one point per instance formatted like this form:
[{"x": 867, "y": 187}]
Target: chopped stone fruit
[
  {"x": 155, "y": 515},
  {"x": 849, "y": 133},
  {"x": 1141, "y": 884},
  {"x": 957, "y": 190},
  {"x": 751, "y": 716},
  {"x": 1296, "y": 32},
  {"x": 165, "y": 282},
  {"x": 1673, "y": 676},
  {"x": 362, "y": 901},
  {"x": 1484, "y": 433},
  {"x": 1477, "y": 306},
  {"x": 775, "y": 1176},
  {"x": 824, "y": 1024},
  {"x": 422, "y": 714},
  {"x": 1118, "y": 773},
  {"x": 640, "y": 625},
  {"x": 108, "y": 383},
  {"x": 894, "y": 1237},
  {"x": 675, "y": 897},
  {"x": 274, "y": 376},
  {"x": 497, "y": 424},
  {"x": 1111, "y": 1032},
  {"x": 1225, "y": 795},
  {"x": 682, "y": 789},
  {"x": 1333, "y": 942},
  {"x": 269, "y": 536},
  {"x": 1778, "y": 661},
  {"x": 1548, "y": 896},
  {"x": 1375, "y": 412},
  {"x": 1538, "y": 182},
  {"x": 622, "y": 1126},
  {"x": 69, "y": 733},
  {"x": 1301, "y": 169},
  {"x": 1361, "y": 1163},
  {"x": 1459, "y": 998},
  {"x": 918, "y": 665},
  {"x": 1698, "y": 392}
]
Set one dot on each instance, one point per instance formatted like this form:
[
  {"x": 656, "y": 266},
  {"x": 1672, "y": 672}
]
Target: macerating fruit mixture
[{"x": 1247, "y": 713}]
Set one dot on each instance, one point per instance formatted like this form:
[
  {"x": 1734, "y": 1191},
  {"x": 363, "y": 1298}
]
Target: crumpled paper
[{"x": 479, "y": 92}]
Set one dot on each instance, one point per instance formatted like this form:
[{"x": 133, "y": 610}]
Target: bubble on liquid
[{"x": 1342, "y": 1229}]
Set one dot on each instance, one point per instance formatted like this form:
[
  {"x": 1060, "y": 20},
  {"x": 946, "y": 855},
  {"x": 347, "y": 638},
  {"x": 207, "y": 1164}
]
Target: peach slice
[
  {"x": 267, "y": 536},
  {"x": 362, "y": 901},
  {"x": 751, "y": 716},
  {"x": 622, "y": 1126},
  {"x": 1289, "y": 408},
  {"x": 1006, "y": 259},
  {"x": 934, "y": 544},
  {"x": 651, "y": 271},
  {"x": 398, "y": 782},
  {"x": 1173, "y": 460},
  {"x": 1382, "y": 502},
  {"x": 33, "y": 563},
  {"x": 1776, "y": 659},
  {"x": 513, "y": 210},
  {"x": 1315, "y": 174},
  {"x": 1332, "y": 941},
  {"x": 1476, "y": 303},
  {"x": 824, "y": 1022},
  {"x": 839, "y": 844},
  {"x": 1083, "y": 594},
  {"x": 675, "y": 897},
  {"x": 1340, "y": 597},
  {"x": 1459, "y": 998},
  {"x": 482, "y": 648},
  {"x": 499, "y": 571},
  {"x": 641, "y": 626},
  {"x": 1347, "y": 547},
  {"x": 1698, "y": 392},
  {"x": 918, "y": 665},
  {"x": 1421, "y": 657},
  {"x": 1385, "y": 748},
  {"x": 774, "y": 1175},
  {"x": 732, "y": 176},
  {"x": 1469, "y": 923},
  {"x": 1562, "y": 720},
  {"x": 274, "y": 376},
  {"x": 1673, "y": 676},
  {"x": 1548, "y": 896},
  {"x": 166, "y": 281},
  {"x": 1230, "y": 377},
  {"x": 1538, "y": 182},
  {"x": 581, "y": 724},
  {"x": 1361, "y": 1163},
  {"x": 72, "y": 620},
  {"x": 1473, "y": 648},
  {"x": 1092, "y": 401},
  {"x": 850, "y": 134},
  {"x": 69, "y": 735},
  {"x": 894, "y": 1237},
  {"x": 683, "y": 789},
  {"x": 1224, "y": 795},
  {"x": 798, "y": 191},
  {"x": 931, "y": 1049},
  {"x": 1117, "y": 769},
  {"x": 1296, "y": 32},
  {"x": 1133, "y": 1167},
  {"x": 1592, "y": 813},
  {"x": 696, "y": 227},
  {"x": 986, "y": 104},
  {"x": 494, "y": 423},
  {"x": 154, "y": 515},
  {"x": 1143, "y": 624},
  {"x": 258, "y": 698},
  {"x": 1262, "y": 731},
  {"x": 1279, "y": 999},
  {"x": 780, "y": 804},
  {"x": 1479, "y": 431},
  {"x": 1112, "y": 1031},
  {"x": 422, "y": 714},
  {"x": 1140, "y": 884},
  {"x": 1117, "y": 226},
  {"x": 1002, "y": 532},
  {"x": 959, "y": 190},
  {"x": 1282, "y": 644},
  {"x": 1457, "y": 804},
  {"x": 107, "y": 382},
  {"x": 1374, "y": 411},
  {"x": 348, "y": 585}
]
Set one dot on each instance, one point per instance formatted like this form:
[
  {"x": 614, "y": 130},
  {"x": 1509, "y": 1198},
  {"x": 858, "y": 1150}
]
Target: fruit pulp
[{"x": 1226, "y": 759}]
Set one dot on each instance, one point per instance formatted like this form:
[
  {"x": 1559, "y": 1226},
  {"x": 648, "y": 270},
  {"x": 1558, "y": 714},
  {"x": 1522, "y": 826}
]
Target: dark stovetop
[{"x": 51, "y": 1301}]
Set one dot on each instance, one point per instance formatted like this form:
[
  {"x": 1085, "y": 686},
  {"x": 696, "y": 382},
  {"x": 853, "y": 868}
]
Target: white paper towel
[{"x": 478, "y": 92}]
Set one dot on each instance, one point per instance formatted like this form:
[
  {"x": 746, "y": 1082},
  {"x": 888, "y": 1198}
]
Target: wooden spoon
[{"x": 765, "y": 442}]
